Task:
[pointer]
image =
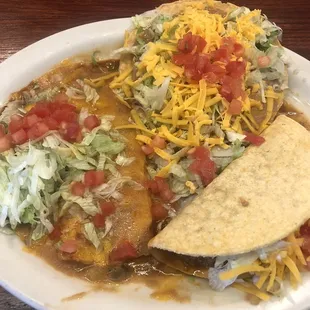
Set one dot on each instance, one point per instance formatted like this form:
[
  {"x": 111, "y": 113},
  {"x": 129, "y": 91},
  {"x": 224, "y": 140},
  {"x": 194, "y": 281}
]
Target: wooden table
[{"x": 25, "y": 22}]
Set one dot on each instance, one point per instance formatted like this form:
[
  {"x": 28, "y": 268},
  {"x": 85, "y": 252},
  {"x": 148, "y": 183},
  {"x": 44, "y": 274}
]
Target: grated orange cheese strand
[
  {"x": 213, "y": 101},
  {"x": 292, "y": 267},
  {"x": 291, "y": 238},
  {"x": 273, "y": 267},
  {"x": 172, "y": 138},
  {"x": 249, "y": 124},
  {"x": 202, "y": 94},
  {"x": 144, "y": 139},
  {"x": 251, "y": 289},
  {"x": 162, "y": 153},
  {"x": 280, "y": 271},
  {"x": 229, "y": 274},
  {"x": 262, "y": 279}
]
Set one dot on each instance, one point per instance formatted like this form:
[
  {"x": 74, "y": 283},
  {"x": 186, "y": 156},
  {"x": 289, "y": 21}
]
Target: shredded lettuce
[
  {"x": 91, "y": 234},
  {"x": 104, "y": 144},
  {"x": 154, "y": 97},
  {"x": 122, "y": 160}
]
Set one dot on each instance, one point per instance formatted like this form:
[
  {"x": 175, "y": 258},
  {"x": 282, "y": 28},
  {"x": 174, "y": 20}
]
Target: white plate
[{"x": 36, "y": 283}]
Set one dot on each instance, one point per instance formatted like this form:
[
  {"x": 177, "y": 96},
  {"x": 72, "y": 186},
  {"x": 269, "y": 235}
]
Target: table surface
[{"x": 25, "y": 22}]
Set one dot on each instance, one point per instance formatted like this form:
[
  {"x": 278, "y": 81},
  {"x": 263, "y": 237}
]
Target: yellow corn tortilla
[{"x": 258, "y": 199}]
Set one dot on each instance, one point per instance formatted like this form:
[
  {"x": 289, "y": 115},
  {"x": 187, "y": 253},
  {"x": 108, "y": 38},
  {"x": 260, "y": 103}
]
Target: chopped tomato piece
[
  {"x": 159, "y": 142},
  {"x": 152, "y": 186},
  {"x": 2, "y": 131},
  {"x": 64, "y": 116},
  {"x": 66, "y": 107},
  {"x": 211, "y": 77},
  {"x": 159, "y": 212},
  {"x": 78, "y": 189},
  {"x": 94, "y": 178},
  {"x": 235, "y": 107},
  {"x": 107, "y": 208},
  {"x": 203, "y": 165},
  {"x": 41, "y": 110},
  {"x": 162, "y": 184},
  {"x": 55, "y": 234},
  {"x": 167, "y": 195},
  {"x": 238, "y": 49},
  {"x": 91, "y": 122},
  {"x": 263, "y": 61},
  {"x": 228, "y": 43},
  {"x": 99, "y": 220},
  {"x": 5, "y": 143},
  {"x": 191, "y": 42},
  {"x": 69, "y": 246},
  {"x": 124, "y": 251},
  {"x": 254, "y": 139},
  {"x": 30, "y": 120},
  {"x": 147, "y": 149},
  {"x": 70, "y": 131},
  {"x": 221, "y": 55},
  {"x": 236, "y": 69},
  {"x": 19, "y": 137},
  {"x": 51, "y": 123},
  {"x": 38, "y": 130},
  {"x": 15, "y": 124},
  {"x": 182, "y": 59}
]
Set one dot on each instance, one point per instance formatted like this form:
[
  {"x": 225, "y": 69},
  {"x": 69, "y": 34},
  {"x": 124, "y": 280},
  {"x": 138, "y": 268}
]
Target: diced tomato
[
  {"x": 99, "y": 220},
  {"x": 228, "y": 43},
  {"x": 184, "y": 59},
  {"x": 238, "y": 50},
  {"x": 147, "y": 149},
  {"x": 78, "y": 189},
  {"x": 235, "y": 107},
  {"x": 39, "y": 129},
  {"x": 263, "y": 61},
  {"x": 40, "y": 109},
  {"x": 167, "y": 195},
  {"x": 211, "y": 77},
  {"x": 64, "y": 116},
  {"x": 70, "y": 131},
  {"x": 66, "y": 107},
  {"x": 254, "y": 139},
  {"x": 51, "y": 123},
  {"x": 203, "y": 165},
  {"x": 152, "y": 186},
  {"x": 91, "y": 122},
  {"x": 159, "y": 142},
  {"x": 162, "y": 184},
  {"x": 55, "y": 234},
  {"x": 222, "y": 55},
  {"x": 124, "y": 251},
  {"x": 69, "y": 246},
  {"x": 191, "y": 42},
  {"x": 107, "y": 208},
  {"x": 94, "y": 178},
  {"x": 30, "y": 120},
  {"x": 15, "y": 124},
  {"x": 5, "y": 143},
  {"x": 231, "y": 88},
  {"x": 2, "y": 131},
  {"x": 202, "y": 63},
  {"x": 236, "y": 69},
  {"x": 19, "y": 137},
  {"x": 192, "y": 73},
  {"x": 159, "y": 212}
]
